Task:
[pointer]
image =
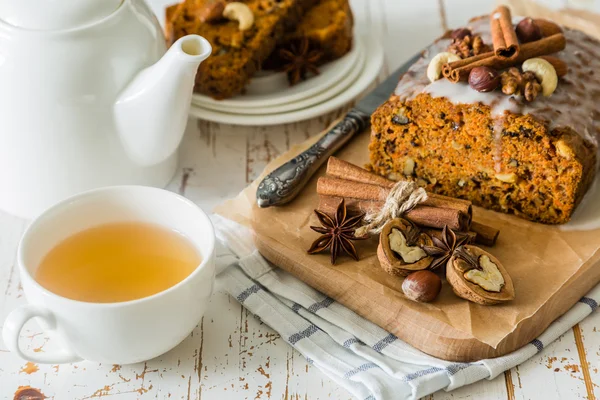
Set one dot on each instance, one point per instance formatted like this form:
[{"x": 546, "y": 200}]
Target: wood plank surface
[{"x": 231, "y": 354}]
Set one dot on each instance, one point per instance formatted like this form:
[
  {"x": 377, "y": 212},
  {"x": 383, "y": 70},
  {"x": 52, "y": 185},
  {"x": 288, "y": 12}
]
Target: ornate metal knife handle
[{"x": 283, "y": 184}]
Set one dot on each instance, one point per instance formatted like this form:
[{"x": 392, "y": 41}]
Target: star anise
[
  {"x": 443, "y": 249},
  {"x": 411, "y": 234},
  {"x": 337, "y": 233},
  {"x": 299, "y": 59},
  {"x": 471, "y": 261}
]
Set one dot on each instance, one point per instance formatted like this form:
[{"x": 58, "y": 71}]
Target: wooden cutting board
[
  {"x": 427, "y": 334},
  {"x": 551, "y": 270}
]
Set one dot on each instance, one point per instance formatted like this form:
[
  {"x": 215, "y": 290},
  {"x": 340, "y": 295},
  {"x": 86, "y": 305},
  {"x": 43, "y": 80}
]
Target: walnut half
[
  {"x": 399, "y": 251},
  {"x": 478, "y": 276}
]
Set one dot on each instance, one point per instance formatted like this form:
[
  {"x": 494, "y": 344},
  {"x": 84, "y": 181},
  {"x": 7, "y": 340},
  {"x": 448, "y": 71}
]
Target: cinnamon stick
[
  {"x": 421, "y": 215},
  {"x": 349, "y": 172},
  {"x": 485, "y": 235},
  {"x": 329, "y": 204},
  {"x": 437, "y": 233},
  {"x": 337, "y": 168},
  {"x": 504, "y": 37},
  {"x": 356, "y": 190},
  {"x": 459, "y": 70}
]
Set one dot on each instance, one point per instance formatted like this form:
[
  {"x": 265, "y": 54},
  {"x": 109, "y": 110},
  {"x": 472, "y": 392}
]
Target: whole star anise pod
[
  {"x": 443, "y": 249},
  {"x": 337, "y": 233},
  {"x": 299, "y": 59}
]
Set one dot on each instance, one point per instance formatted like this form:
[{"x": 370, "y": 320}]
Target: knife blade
[{"x": 284, "y": 183}]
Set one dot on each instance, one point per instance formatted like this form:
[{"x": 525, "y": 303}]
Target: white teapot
[{"x": 88, "y": 98}]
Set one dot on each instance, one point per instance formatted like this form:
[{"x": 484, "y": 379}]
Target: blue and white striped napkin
[{"x": 363, "y": 358}]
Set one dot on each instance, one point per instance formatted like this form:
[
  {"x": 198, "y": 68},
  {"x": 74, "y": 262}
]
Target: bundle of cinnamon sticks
[
  {"x": 507, "y": 51},
  {"x": 365, "y": 191}
]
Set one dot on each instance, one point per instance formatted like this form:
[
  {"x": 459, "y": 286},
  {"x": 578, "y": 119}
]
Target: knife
[{"x": 283, "y": 184}]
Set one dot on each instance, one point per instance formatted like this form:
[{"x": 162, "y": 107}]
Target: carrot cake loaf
[
  {"x": 243, "y": 34},
  {"x": 511, "y": 125},
  {"x": 328, "y": 25}
]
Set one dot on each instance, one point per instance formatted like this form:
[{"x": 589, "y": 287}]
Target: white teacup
[{"x": 114, "y": 333}]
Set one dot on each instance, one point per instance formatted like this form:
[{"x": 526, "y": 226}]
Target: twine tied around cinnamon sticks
[
  {"x": 403, "y": 197},
  {"x": 367, "y": 192}
]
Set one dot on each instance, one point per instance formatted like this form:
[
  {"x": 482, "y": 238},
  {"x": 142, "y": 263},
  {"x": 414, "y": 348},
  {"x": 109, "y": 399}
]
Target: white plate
[
  {"x": 274, "y": 89},
  {"x": 300, "y": 104},
  {"x": 374, "y": 57}
]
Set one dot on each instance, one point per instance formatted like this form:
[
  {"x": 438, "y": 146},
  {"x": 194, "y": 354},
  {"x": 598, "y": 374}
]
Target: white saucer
[
  {"x": 374, "y": 62},
  {"x": 326, "y": 94},
  {"x": 273, "y": 89}
]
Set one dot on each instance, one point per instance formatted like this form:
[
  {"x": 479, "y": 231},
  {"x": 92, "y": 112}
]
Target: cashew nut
[
  {"x": 544, "y": 72},
  {"x": 434, "y": 70},
  {"x": 240, "y": 12}
]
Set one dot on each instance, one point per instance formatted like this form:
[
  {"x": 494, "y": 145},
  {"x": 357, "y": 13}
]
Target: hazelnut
[
  {"x": 422, "y": 286},
  {"x": 484, "y": 79},
  {"x": 528, "y": 31},
  {"x": 460, "y": 33}
]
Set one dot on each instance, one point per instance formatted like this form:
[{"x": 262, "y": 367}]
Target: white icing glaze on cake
[{"x": 573, "y": 104}]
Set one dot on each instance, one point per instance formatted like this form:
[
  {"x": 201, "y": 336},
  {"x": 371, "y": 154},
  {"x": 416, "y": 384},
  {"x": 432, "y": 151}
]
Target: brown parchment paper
[{"x": 541, "y": 259}]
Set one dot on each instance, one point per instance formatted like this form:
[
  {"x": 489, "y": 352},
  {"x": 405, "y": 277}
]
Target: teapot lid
[{"x": 55, "y": 14}]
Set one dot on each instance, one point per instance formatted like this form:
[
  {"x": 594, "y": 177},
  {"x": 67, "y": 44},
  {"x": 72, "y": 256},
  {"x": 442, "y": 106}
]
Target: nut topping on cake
[
  {"x": 468, "y": 46},
  {"x": 460, "y": 33},
  {"x": 528, "y": 31},
  {"x": 240, "y": 12},
  {"x": 434, "y": 71},
  {"x": 513, "y": 47},
  {"x": 516, "y": 83},
  {"x": 484, "y": 79},
  {"x": 544, "y": 72}
]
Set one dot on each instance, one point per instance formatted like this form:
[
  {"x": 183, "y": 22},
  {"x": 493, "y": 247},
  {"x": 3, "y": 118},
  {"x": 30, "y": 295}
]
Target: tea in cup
[{"x": 117, "y": 275}]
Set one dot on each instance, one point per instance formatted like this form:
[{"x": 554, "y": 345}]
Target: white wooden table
[{"x": 232, "y": 355}]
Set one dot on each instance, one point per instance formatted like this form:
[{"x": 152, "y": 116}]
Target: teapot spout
[{"x": 151, "y": 112}]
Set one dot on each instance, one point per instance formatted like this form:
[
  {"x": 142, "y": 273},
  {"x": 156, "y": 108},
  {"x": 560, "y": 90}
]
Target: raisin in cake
[{"x": 534, "y": 158}]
